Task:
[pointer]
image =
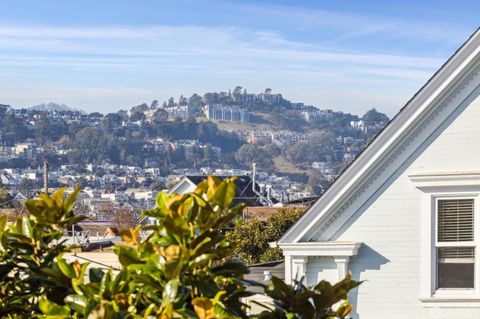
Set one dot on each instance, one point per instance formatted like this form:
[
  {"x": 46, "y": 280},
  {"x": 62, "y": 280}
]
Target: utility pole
[{"x": 45, "y": 177}]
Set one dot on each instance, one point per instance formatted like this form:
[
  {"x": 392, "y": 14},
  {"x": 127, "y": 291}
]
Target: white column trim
[
  {"x": 288, "y": 269},
  {"x": 342, "y": 266},
  {"x": 299, "y": 267},
  {"x": 427, "y": 225}
]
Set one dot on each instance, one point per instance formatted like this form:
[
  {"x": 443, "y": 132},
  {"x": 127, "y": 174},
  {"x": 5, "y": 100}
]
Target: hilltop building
[{"x": 226, "y": 113}]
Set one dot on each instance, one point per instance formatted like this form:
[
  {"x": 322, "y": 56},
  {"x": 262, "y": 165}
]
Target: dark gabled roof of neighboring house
[{"x": 243, "y": 185}]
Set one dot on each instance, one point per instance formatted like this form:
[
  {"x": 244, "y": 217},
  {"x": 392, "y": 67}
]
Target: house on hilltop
[{"x": 404, "y": 215}]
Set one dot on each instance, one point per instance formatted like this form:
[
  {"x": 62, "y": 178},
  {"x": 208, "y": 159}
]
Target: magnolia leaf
[
  {"x": 201, "y": 188},
  {"x": 77, "y": 267},
  {"x": 52, "y": 310},
  {"x": 47, "y": 200},
  {"x": 127, "y": 255},
  {"x": 224, "y": 193},
  {"x": 58, "y": 196},
  {"x": 34, "y": 207},
  {"x": 213, "y": 183},
  {"x": 105, "y": 285},
  {"x": 161, "y": 200},
  {"x": 77, "y": 302},
  {"x": 170, "y": 292},
  {"x": 53, "y": 274},
  {"x": 121, "y": 299},
  {"x": 185, "y": 207},
  {"x": 220, "y": 311},
  {"x": 3, "y": 222},
  {"x": 70, "y": 200},
  {"x": 103, "y": 311},
  {"x": 199, "y": 199},
  {"x": 202, "y": 260},
  {"x": 95, "y": 275},
  {"x": 283, "y": 290},
  {"x": 172, "y": 200},
  {"x": 344, "y": 310},
  {"x": 203, "y": 307},
  {"x": 66, "y": 268},
  {"x": 218, "y": 295},
  {"x": 171, "y": 252},
  {"x": 167, "y": 312},
  {"x": 24, "y": 227},
  {"x": 131, "y": 235}
]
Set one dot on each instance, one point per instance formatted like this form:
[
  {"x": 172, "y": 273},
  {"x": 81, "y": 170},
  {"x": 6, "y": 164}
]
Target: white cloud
[
  {"x": 164, "y": 43},
  {"x": 160, "y": 61},
  {"x": 358, "y": 23}
]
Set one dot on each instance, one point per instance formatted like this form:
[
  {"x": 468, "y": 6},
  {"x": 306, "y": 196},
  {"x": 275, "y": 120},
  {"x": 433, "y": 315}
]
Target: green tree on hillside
[
  {"x": 262, "y": 154},
  {"x": 372, "y": 117}
]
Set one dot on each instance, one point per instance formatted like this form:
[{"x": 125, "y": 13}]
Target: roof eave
[{"x": 408, "y": 116}]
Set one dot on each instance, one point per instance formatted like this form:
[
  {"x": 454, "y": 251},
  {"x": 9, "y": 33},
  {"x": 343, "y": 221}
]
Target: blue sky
[{"x": 106, "y": 55}]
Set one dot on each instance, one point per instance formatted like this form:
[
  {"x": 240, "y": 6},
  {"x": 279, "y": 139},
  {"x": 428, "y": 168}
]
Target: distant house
[
  {"x": 243, "y": 185},
  {"x": 226, "y": 113},
  {"x": 404, "y": 216}
]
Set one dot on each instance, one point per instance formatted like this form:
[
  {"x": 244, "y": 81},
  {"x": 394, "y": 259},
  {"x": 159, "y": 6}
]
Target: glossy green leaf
[
  {"x": 66, "y": 268},
  {"x": 224, "y": 193},
  {"x": 127, "y": 255},
  {"x": 51, "y": 310},
  {"x": 77, "y": 302},
  {"x": 3, "y": 222},
  {"x": 58, "y": 196}
]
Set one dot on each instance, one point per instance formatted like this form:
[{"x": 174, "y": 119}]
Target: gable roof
[
  {"x": 243, "y": 185},
  {"x": 453, "y": 79}
]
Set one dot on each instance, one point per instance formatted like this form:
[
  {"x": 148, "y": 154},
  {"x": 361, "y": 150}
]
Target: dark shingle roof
[{"x": 243, "y": 186}]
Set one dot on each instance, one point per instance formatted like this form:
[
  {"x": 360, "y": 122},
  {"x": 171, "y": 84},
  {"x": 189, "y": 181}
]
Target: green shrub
[
  {"x": 183, "y": 269},
  {"x": 29, "y": 255},
  {"x": 252, "y": 237}
]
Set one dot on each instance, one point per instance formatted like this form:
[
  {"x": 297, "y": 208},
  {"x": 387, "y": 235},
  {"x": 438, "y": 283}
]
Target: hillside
[{"x": 283, "y": 138}]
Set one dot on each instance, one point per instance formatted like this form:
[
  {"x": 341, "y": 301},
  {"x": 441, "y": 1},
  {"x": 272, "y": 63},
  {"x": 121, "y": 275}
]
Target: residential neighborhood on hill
[{"x": 122, "y": 159}]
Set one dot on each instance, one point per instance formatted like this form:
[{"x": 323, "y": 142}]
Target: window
[
  {"x": 455, "y": 243},
  {"x": 450, "y": 233}
]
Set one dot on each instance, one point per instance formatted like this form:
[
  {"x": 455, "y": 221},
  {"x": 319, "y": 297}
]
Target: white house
[{"x": 405, "y": 215}]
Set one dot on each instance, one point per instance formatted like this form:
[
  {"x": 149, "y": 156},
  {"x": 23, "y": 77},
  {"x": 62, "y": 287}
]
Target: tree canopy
[
  {"x": 373, "y": 116},
  {"x": 253, "y": 236}
]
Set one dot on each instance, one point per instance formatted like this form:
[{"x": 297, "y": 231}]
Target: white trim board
[{"x": 333, "y": 248}]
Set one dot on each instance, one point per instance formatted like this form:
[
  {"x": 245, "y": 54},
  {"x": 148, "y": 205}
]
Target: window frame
[
  {"x": 448, "y": 185},
  {"x": 435, "y": 244}
]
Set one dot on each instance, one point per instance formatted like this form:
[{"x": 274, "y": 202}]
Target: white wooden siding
[{"x": 389, "y": 261}]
